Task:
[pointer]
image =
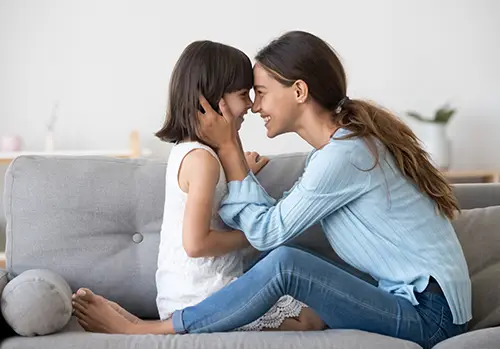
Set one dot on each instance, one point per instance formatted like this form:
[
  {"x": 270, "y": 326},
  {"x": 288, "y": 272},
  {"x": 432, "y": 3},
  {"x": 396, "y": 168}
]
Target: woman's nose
[{"x": 255, "y": 107}]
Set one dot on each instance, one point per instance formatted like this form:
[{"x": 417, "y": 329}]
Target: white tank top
[{"x": 181, "y": 280}]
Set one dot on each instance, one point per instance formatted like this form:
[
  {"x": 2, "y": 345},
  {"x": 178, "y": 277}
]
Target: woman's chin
[{"x": 271, "y": 133}]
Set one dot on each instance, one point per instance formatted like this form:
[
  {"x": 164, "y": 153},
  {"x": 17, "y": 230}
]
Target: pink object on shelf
[{"x": 11, "y": 143}]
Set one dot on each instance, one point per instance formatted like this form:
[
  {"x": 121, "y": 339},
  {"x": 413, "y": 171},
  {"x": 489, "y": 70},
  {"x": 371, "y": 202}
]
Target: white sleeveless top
[{"x": 183, "y": 281}]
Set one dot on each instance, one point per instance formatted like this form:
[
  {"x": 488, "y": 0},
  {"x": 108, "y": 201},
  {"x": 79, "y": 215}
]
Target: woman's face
[{"x": 276, "y": 103}]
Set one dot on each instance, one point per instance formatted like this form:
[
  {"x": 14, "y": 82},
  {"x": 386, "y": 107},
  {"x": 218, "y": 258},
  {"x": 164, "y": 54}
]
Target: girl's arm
[{"x": 199, "y": 174}]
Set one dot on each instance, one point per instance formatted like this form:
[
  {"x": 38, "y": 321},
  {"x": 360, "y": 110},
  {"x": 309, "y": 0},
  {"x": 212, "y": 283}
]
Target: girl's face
[
  {"x": 239, "y": 103},
  {"x": 276, "y": 103}
]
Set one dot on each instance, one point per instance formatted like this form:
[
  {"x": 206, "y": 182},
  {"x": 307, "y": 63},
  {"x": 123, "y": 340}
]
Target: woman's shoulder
[{"x": 339, "y": 150}]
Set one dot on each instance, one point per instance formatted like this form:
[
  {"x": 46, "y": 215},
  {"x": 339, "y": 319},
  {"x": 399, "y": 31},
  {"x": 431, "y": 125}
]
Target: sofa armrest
[
  {"x": 5, "y": 329},
  {"x": 487, "y": 338},
  {"x": 4, "y": 280},
  {"x": 477, "y": 195}
]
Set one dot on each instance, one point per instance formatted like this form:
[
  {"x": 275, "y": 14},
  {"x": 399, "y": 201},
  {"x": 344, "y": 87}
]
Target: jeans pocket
[
  {"x": 438, "y": 335},
  {"x": 445, "y": 327},
  {"x": 433, "y": 314}
]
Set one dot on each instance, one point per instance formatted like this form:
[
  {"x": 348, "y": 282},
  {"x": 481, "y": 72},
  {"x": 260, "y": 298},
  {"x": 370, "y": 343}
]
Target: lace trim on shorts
[{"x": 285, "y": 307}]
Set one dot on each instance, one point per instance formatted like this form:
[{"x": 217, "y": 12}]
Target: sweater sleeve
[{"x": 330, "y": 181}]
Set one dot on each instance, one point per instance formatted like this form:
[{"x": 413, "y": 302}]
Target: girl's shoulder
[{"x": 188, "y": 146}]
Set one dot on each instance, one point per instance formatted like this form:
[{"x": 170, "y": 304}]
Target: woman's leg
[{"x": 339, "y": 298}]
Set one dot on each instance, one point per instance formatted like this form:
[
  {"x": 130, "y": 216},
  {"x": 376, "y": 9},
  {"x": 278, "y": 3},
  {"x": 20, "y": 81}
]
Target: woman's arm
[
  {"x": 333, "y": 178},
  {"x": 197, "y": 238}
]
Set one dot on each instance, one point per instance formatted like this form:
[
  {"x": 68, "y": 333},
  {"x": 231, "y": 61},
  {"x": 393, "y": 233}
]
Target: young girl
[{"x": 198, "y": 253}]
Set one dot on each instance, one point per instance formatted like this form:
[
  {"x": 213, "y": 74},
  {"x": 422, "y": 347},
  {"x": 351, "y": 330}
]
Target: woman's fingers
[
  {"x": 226, "y": 113},
  {"x": 206, "y": 106}
]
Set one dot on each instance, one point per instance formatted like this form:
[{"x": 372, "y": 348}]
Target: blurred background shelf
[
  {"x": 472, "y": 176},
  {"x": 134, "y": 151}
]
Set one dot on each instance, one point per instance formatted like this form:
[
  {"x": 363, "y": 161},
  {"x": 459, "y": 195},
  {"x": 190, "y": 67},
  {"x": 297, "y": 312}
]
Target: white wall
[{"x": 109, "y": 62}]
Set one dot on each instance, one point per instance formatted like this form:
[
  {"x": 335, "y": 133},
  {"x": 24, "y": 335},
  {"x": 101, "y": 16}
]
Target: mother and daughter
[{"x": 384, "y": 208}]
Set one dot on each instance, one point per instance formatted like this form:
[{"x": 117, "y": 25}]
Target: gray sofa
[{"x": 95, "y": 222}]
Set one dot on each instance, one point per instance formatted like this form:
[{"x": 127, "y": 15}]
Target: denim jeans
[{"x": 342, "y": 300}]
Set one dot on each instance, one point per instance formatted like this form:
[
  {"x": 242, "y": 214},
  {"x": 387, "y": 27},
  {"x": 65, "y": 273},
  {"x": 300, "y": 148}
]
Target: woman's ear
[{"x": 301, "y": 91}]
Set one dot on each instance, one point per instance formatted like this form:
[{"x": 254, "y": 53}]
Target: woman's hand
[
  {"x": 215, "y": 129},
  {"x": 255, "y": 161},
  {"x": 219, "y": 131}
]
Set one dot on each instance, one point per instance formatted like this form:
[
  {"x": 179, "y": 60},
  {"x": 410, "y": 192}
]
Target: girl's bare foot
[
  {"x": 96, "y": 314},
  {"x": 129, "y": 316}
]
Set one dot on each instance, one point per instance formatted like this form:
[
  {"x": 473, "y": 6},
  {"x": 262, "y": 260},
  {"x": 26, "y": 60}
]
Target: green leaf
[
  {"x": 416, "y": 115},
  {"x": 444, "y": 114}
]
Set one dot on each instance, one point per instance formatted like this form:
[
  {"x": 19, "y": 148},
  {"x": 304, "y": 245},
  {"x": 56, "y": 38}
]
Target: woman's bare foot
[
  {"x": 97, "y": 314},
  {"x": 307, "y": 320}
]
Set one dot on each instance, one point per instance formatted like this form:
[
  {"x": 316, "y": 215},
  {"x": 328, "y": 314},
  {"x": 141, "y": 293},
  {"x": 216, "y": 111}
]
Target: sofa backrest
[{"x": 96, "y": 220}]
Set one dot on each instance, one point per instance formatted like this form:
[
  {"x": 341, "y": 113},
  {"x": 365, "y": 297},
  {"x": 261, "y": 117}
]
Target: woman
[{"x": 383, "y": 207}]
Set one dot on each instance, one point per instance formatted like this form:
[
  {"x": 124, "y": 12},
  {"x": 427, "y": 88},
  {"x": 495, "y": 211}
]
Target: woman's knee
[{"x": 283, "y": 254}]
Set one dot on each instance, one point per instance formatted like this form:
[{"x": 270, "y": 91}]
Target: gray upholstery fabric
[
  {"x": 483, "y": 339},
  {"x": 258, "y": 340},
  {"x": 477, "y": 195},
  {"x": 37, "y": 302},
  {"x": 479, "y": 233},
  {"x": 94, "y": 221},
  {"x": 4, "y": 279},
  {"x": 5, "y": 329}
]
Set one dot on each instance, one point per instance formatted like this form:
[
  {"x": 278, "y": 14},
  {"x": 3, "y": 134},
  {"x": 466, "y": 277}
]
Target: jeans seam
[
  {"x": 334, "y": 290},
  {"x": 236, "y": 313},
  {"x": 354, "y": 300},
  {"x": 440, "y": 327}
]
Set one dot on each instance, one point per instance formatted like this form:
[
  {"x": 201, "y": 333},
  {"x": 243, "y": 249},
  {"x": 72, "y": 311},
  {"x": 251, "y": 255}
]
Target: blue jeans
[{"x": 342, "y": 300}]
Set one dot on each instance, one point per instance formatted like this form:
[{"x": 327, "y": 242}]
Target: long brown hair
[
  {"x": 205, "y": 67},
  {"x": 303, "y": 56}
]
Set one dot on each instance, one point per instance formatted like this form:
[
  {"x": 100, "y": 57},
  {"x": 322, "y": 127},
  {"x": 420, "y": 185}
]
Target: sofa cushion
[
  {"x": 338, "y": 339},
  {"x": 479, "y": 233},
  {"x": 37, "y": 302},
  {"x": 94, "y": 221}
]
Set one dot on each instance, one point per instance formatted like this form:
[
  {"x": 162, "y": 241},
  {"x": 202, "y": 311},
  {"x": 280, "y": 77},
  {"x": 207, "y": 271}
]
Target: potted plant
[{"x": 433, "y": 134}]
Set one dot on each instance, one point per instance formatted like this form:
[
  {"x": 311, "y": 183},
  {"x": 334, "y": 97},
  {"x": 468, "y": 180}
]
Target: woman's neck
[{"x": 316, "y": 128}]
